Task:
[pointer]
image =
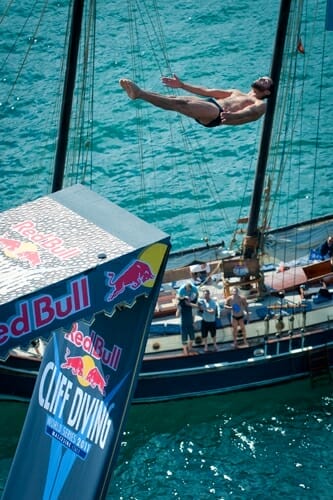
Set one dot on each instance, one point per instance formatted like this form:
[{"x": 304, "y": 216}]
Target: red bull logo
[
  {"x": 96, "y": 379},
  {"x": 74, "y": 363},
  {"x": 94, "y": 345},
  {"x": 22, "y": 251},
  {"x": 41, "y": 311},
  {"x": 48, "y": 241},
  {"x": 83, "y": 367},
  {"x": 133, "y": 277},
  {"x": 29, "y": 251}
]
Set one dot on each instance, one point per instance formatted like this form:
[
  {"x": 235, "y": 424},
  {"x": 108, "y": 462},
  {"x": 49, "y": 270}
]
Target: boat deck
[{"x": 295, "y": 314}]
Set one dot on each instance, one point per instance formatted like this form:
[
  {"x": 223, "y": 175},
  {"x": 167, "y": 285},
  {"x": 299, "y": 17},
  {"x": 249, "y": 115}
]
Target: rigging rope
[
  {"x": 5, "y": 11},
  {"x": 147, "y": 18},
  {"x": 78, "y": 167},
  {"x": 292, "y": 133},
  {"x": 79, "y": 163},
  {"x": 18, "y": 38},
  {"x": 21, "y": 52}
]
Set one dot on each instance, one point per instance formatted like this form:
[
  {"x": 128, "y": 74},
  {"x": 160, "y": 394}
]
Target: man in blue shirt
[{"x": 190, "y": 291}]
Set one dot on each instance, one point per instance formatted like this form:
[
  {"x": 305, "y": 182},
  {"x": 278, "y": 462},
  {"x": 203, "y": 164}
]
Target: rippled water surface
[
  {"x": 189, "y": 181},
  {"x": 270, "y": 443}
]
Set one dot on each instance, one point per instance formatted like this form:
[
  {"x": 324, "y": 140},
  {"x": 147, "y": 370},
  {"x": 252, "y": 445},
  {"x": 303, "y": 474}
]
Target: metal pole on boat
[
  {"x": 68, "y": 91},
  {"x": 291, "y": 320},
  {"x": 251, "y": 238}
]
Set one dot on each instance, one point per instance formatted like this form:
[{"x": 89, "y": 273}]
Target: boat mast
[
  {"x": 67, "y": 99},
  {"x": 251, "y": 239}
]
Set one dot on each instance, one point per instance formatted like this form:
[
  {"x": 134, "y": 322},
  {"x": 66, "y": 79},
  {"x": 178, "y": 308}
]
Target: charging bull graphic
[
  {"x": 87, "y": 376},
  {"x": 137, "y": 274},
  {"x": 74, "y": 363},
  {"x": 96, "y": 379}
]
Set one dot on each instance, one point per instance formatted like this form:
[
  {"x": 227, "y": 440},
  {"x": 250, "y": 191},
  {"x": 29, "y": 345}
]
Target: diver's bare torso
[{"x": 237, "y": 101}]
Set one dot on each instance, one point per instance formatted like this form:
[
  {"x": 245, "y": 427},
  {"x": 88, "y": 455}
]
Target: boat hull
[
  {"x": 228, "y": 371},
  {"x": 165, "y": 377}
]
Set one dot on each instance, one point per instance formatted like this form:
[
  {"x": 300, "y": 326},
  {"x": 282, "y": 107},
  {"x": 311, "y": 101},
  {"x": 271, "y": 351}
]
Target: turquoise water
[
  {"x": 267, "y": 444},
  {"x": 190, "y": 181}
]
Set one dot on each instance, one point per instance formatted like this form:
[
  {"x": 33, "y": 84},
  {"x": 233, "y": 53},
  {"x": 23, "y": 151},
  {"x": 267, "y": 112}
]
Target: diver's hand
[{"x": 173, "y": 82}]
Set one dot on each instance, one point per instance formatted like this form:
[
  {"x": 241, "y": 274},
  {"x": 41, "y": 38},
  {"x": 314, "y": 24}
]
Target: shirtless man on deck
[{"x": 223, "y": 107}]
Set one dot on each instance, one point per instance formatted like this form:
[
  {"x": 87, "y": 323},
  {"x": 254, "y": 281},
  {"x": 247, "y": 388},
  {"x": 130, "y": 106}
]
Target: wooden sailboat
[{"x": 290, "y": 335}]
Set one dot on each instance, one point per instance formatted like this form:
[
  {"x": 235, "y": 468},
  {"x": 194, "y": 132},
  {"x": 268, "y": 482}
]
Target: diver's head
[{"x": 263, "y": 87}]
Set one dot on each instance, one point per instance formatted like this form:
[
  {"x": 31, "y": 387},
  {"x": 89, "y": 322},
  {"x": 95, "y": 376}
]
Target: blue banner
[
  {"x": 85, "y": 275},
  {"x": 83, "y": 392}
]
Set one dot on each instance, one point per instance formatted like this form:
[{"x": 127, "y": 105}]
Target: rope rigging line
[
  {"x": 284, "y": 127},
  {"x": 291, "y": 130},
  {"x": 317, "y": 128},
  {"x": 137, "y": 72},
  {"x": 19, "y": 62},
  {"x": 56, "y": 109},
  {"x": 288, "y": 117},
  {"x": 79, "y": 163},
  {"x": 154, "y": 27},
  {"x": 26, "y": 66},
  {"x": 5, "y": 11},
  {"x": 154, "y": 39},
  {"x": 31, "y": 44},
  {"x": 239, "y": 230}
]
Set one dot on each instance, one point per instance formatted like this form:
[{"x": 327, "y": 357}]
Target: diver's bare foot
[{"x": 133, "y": 91}]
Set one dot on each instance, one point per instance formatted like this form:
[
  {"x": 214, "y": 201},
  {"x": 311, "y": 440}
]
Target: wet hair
[{"x": 256, "y": 85}]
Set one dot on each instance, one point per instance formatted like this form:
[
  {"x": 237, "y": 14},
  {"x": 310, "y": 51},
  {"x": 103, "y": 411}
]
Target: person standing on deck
[
  {"x": 209, "y": 310},
  {"x": 187, "y": 298},
  {"x": 239, "y": 307},
  {"x": 221, "y": 107},
  {"x": 184, "y": 310}
]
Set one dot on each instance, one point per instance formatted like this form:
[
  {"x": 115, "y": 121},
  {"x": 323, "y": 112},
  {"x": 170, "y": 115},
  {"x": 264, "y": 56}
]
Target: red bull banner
[
  {"x": 55, "y": 256},
  {"x": 97, "y": 321}
]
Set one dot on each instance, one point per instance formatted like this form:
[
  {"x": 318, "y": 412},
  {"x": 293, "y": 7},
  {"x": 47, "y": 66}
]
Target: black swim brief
[
  {"x": 237, "y": 318},
  {"x": 217, "y": 121}
]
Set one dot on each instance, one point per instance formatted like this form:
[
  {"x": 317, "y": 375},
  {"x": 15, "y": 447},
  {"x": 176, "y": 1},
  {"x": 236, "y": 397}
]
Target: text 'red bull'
[
  {"x": 94, "y": 345},
  {"x": 48, "y": 241},
  {"x": 40, "y": 312}
]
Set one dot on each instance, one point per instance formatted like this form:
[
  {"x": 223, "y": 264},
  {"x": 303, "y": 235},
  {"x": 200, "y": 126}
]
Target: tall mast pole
[
  {"x": 68, "y": 91},
  {"x": 251, "y": 238}
]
